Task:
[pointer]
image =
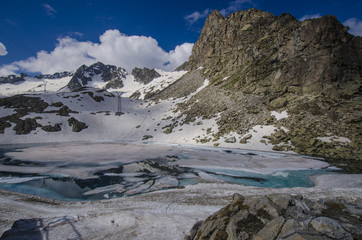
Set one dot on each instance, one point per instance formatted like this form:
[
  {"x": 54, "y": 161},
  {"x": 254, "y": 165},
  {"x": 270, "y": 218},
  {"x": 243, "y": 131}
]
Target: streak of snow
[
  {"x": 279, "y": 115},
  {"x": 334, "y": 139}
]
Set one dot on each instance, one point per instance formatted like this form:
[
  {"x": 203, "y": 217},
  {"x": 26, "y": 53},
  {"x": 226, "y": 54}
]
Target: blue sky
[{"x": 53, "y": 35}]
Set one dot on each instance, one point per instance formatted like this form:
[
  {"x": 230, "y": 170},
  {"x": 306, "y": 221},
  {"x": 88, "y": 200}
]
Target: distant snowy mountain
[
  {"x": 141, "y": 84},
  {"x": 55, "y": 75},
  {"x": 98, "y": 75},
  {"x": 24, "y": 84}
]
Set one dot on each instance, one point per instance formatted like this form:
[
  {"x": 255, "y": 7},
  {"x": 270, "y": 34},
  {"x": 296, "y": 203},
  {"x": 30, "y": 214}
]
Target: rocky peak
[
  {"x": 212, "y": 22},
  {"x": 262, "y": 53},
  {"x": 145, "y": 75},
  {"x": 106, "y": 73}
]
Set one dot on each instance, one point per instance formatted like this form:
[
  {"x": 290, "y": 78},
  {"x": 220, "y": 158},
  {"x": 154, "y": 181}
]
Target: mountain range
[{"x": 254, "y": 80}]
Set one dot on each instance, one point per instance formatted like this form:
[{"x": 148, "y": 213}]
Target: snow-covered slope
[
  {"x": 141, "y": 91},
  {"x": 92, "y": 113}
]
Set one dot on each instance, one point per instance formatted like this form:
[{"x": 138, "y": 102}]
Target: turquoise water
[{"x": 110, "y": 183}]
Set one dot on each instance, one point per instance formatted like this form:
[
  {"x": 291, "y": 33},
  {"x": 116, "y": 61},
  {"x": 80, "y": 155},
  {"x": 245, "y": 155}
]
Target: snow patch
[
  {"x": 281, "y": 115},
  {"x": 343, "y": 140}
]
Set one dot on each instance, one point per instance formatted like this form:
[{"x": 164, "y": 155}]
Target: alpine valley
[{"x": 254, "y": 82}]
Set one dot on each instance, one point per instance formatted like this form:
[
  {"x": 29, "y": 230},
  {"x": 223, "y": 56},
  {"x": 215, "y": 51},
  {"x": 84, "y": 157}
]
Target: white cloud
[
  {"x": 50, "y": 11},
  {"x": 3, "y": 51},
  {"x": 355, "y": 26},
  {"x": 114, "y": 48},
  {"x": 195, "y": 16},
  {"x": 310, "y": 16},
  {"x": 236, "y": 5}
]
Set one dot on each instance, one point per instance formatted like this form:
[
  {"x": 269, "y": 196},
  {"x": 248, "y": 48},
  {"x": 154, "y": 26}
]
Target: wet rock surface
[{"x": 282, "y": 216}]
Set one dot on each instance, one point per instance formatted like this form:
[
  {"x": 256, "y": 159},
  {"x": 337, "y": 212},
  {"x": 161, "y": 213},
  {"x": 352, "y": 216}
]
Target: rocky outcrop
[
  {"x": 145, "y": 75},
  {"x": 265, "y": 54},
  {"x": 77, "y": 126},
  {"x": 281, "y": 216},
  {"x": 257, "y": 62},
  {"x": 84, "y": 75}
]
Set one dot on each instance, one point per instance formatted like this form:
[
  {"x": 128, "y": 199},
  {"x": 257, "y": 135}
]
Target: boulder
[
  {"x": 271, "y": 217},
  {"x": 230, "y": 140}
]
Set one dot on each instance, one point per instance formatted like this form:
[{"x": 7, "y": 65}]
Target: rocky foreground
[
  {"x": 281, "y": 216},
  {"x": 324, "y": 211}
]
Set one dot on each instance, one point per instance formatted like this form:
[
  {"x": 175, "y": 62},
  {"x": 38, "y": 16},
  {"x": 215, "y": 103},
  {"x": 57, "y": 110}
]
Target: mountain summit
[{"x": 263, "y": 54}]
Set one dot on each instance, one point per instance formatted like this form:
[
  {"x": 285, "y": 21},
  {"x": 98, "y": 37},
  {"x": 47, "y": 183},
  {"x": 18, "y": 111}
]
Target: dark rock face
[
  {"x": 49, "y": 128},
  {"x": 281, "y": 216},
  {"x": 145, "y": 75},
  {"x": 23, "y": 105},
  {"x": 76, "y": 125},
  {"x": 108, "y": 73},
  {"x": 263, "y": 54},
  {"x": 26, "y": 126}
]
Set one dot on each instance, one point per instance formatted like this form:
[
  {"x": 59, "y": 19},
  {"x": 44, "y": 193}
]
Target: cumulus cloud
[
  {"x": 113, "y": 48},
  {"x": 3, "y": 51},
  {"x": 355, "y": 26},
  {"x": 195, "y": 16},
  {"x": 310, "y": 16},
  {"x": 50, "y": 11}
]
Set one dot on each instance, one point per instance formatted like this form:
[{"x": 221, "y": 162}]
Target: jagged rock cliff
[
  {"x": 257, "y": 62},
  {"x": 265, "y": 54}
]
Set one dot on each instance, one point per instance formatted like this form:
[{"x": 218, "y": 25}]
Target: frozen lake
[{"x": 93, "y": 171}]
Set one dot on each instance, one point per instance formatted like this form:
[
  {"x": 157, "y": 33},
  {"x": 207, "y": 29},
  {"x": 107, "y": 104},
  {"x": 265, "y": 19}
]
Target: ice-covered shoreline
[{"x": 168, "y": 214}]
